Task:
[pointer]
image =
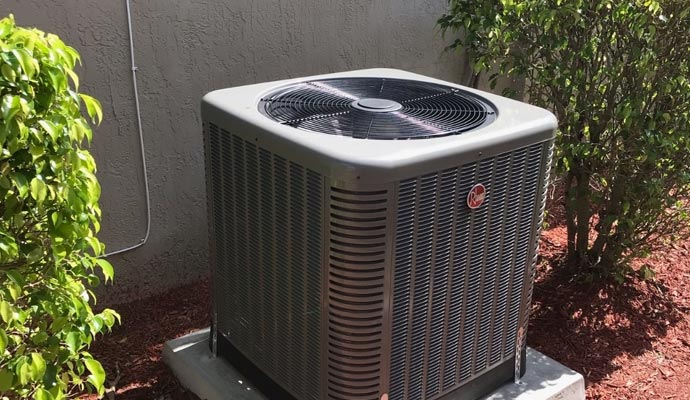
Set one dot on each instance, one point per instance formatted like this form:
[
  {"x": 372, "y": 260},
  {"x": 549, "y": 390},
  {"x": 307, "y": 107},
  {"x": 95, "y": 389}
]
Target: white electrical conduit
[{"x": 143, "y": 240}]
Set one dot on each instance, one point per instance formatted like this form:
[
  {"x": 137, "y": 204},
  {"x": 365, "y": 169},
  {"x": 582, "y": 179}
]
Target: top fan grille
[{"x": 378, "y": 108}]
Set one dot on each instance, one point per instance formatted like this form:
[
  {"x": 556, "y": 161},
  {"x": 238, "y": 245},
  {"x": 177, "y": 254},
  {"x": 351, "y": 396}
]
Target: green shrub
[
  {"x": 49, "y": 216},
  {"x": 617, "y": 75}
]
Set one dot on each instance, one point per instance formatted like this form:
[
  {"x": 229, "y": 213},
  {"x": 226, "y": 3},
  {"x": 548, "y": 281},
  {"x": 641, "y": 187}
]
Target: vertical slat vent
[
  {"x": 459, "y": 273},
  {"x": 546, "y": 172},
  {"x": 356, "y": 270},
  {"x": 267, "y": 234},
  {"x": 526, "y": 229}
]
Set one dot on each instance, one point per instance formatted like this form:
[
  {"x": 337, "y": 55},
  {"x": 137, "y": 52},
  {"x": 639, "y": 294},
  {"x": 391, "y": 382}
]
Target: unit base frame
[{"x": 472, "y": 390}]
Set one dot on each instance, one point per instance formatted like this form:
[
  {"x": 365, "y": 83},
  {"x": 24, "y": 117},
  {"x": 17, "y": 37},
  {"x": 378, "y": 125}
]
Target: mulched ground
[
  {"x": 630, "y": 341},
  {"x": 131, "y": 354}
]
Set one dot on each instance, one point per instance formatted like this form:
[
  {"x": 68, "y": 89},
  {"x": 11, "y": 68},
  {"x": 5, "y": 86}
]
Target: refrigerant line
[{"x": 143, "y": 240}]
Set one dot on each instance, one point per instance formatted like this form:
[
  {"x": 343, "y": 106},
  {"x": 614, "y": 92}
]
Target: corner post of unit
[{"x": 213, "y": 340}]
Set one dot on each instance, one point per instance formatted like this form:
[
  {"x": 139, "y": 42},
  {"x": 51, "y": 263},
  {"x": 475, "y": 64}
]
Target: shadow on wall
[{"x": 588, "y": 326}]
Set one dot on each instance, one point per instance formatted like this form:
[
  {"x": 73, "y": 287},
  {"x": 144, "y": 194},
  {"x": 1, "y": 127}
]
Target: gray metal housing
[{"x": 347, "y": 268}]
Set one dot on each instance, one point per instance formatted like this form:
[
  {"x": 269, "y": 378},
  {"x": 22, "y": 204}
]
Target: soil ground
[{"x": 630, "y": 341}]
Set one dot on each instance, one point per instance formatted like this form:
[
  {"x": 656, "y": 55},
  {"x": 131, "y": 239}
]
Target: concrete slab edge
[{"x": 213, "y": 378}]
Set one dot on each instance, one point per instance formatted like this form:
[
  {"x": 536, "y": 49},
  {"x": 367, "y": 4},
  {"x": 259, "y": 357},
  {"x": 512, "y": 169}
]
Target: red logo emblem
[{"x": 476, "y": 196}]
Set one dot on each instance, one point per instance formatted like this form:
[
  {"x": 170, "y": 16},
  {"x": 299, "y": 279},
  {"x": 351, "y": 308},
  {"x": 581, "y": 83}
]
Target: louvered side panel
[
  {"x": 475, "y": 271},
  {"x": 497, "y": 211},
  {"x": 404, "y": 243},
  {"x": 526, "y": 228},
  {"x": 421, "y": 280},
  {"x": 267, "y": 310},
  {"x": 281, "y": 285},
  {"x": 356, "y": 289},
  {"x": 447, "y": 199},
  {"x": 547, "y": 155},
  {"x": 508, "y": 243},
  {"x": 454, "y": 304},
  {"x": 227, "y": 266},
  {"x": 252, "y": 266},
  {"x": 314, "y": 291},
  {"x": 268, "y": 219},
  {"x": 459, "y": 273}
]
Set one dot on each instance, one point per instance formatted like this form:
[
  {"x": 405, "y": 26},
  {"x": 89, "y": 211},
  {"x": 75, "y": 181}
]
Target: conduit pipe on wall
[{"x": 143, "y": 240}]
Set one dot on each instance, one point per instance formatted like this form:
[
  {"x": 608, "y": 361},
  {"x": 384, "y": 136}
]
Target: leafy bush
[
  {"x": 49, "y": 215},
  {"x": 617, "y": 75}
]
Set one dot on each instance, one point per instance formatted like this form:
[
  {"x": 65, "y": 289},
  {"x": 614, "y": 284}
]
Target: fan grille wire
[{"x": 426, "y": 109}]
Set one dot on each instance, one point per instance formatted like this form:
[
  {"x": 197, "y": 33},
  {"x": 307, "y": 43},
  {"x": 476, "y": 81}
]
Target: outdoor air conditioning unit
[{"x": 373, "y": 232}]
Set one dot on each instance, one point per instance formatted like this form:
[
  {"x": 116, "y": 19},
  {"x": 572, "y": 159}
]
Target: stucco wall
[{"x": 185, "y": 49}]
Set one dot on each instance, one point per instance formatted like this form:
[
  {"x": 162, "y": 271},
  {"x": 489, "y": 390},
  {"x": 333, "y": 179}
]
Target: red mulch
[
  {"x": 131, "y": 354},
  {"x": 630, "y": 341}
]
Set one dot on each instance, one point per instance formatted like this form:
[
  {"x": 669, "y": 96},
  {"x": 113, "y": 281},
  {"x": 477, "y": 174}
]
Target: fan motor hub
[{"x": 373, "y": 104}]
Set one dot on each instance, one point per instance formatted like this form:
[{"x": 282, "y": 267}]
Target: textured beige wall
[{"x": 185, "y": 49}]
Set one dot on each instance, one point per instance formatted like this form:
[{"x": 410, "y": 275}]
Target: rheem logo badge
[{"x": 476, "y": 196}]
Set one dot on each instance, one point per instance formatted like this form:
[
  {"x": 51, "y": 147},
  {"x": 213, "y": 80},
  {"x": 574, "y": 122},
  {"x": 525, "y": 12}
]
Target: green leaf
[
  {"x": 74, "y": 201},
  {"x": 10, "y": 106},
  {"x": 15, "y": 291},
  {"x": 96, "y": 246},
  {"x": 6, "y": 311},
  {"x": 58, "y": 323},
  {"x": 42, "y": 394},
  {"x": 83, "y": 128},
  {"x": 74, "y": 76},
  {"x": 21, "y": 183},
  {"x": 24, "y": 373},
  {"x": 8, "y": 73},
  {"x": 106, "y": 267},
  {"x": 55, "y": 218},
  {"x": 6, "y": 26},
  {"x": 26, "y": 61},
  {"x": 96, "y": 324},
  {"x": 36, "y": 151},
  {"x": 109, "y": 317},
  {"x": 97, "y": 377},
  {"x": 50, "y": 128},
  {"x": 6, "y": 378},
  {"x": 76, "y": 58},
  {"x": 93, "y": 108},
  {"x": 39, "y": 338},
  {"x": 39, "y": 190},
  {"x": 16, "y": 277},
  {"x": 646, "y": 273},
  {"x": 3, "y": 341},
  {"x": 38, "y": 366},
  {"x": 74, "y": 342}
]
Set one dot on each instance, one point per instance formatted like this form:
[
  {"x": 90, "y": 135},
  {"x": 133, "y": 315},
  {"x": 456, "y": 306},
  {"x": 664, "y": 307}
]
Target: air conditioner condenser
[{"x": 373, "y": 233}]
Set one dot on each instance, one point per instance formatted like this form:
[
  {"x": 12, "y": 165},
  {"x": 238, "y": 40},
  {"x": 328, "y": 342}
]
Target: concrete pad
[
  {"x": 213, "y": 378},
  {"x": 545, "y": 379}
]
